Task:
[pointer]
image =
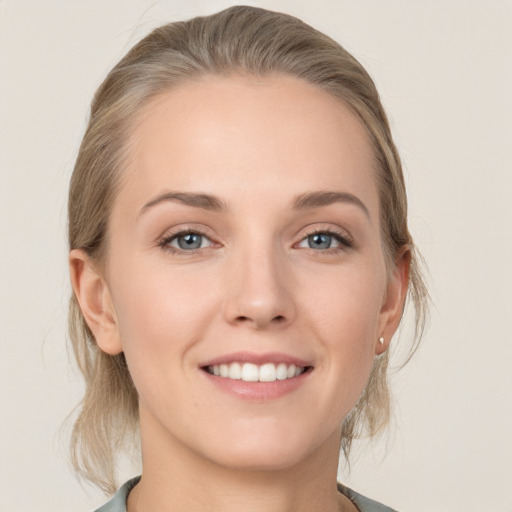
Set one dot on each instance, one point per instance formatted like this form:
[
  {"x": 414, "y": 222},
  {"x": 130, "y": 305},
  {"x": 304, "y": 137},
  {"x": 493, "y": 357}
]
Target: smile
[{"x": 249, "y": 372}]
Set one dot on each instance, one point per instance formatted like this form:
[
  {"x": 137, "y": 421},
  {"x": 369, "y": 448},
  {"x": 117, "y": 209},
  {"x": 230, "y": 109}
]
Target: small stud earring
[{"x": 381, "y": 341}]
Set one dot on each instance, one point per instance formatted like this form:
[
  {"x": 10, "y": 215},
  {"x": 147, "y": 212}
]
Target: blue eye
[
  {"x": 321, "y": 241},
  {"x": 325, "y": 240},
  {"x": 188, "y": 241}
]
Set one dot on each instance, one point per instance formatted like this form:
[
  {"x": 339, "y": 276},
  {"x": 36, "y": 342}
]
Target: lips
[
  {"x": 255, "y": 358},
  {"x": 257, "y": 375}
]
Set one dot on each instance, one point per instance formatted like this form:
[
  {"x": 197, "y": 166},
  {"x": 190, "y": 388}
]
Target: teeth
[
  {"x": 249, "y": 372},
  {"x": 234, "y": 371},
  {"x": 267, "y": 373},
  {"x": 282, "y": 371}
]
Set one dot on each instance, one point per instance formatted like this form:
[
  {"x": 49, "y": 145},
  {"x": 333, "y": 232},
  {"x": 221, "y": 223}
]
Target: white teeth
[
  {"x": 249, "y": 372},
  {"x": 282, "y": 371},
  {"x": 267, "y": 373},
  {"x": 235, "y": 371}
]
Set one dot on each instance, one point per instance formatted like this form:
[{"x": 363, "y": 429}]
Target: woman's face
[{"x": 245, "y": 241}]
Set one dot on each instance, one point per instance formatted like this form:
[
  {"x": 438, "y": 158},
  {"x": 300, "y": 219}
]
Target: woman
[{"x": 240, "y": 260}]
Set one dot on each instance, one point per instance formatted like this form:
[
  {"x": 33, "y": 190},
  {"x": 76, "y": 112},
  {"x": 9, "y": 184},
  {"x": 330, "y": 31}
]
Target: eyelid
[
  {"x": 174, "y": 238},
  {"x": 344, "y": 238},
  {"x": 164, "y": 240}
]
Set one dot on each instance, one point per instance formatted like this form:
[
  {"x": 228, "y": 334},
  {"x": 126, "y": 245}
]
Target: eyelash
[
  {"x": 345, "y": 241},
  {"x": 165, "y": 242}
]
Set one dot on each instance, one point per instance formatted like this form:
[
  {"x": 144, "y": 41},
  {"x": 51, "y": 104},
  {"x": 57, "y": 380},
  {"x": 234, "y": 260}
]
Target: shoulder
[
  {"x": 363, "y": 503},
  {"x": 118, "y": 501}
]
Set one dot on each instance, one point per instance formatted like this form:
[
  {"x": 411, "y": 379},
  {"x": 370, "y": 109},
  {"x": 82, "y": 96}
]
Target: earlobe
[
  {"x": 93, "y": 295},
  {"x": 393, "y": 306}
]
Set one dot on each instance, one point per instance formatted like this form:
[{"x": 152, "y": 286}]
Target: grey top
[{"x": 118, "y": 502}]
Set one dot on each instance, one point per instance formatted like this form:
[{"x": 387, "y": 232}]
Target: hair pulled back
[{"x": 238, "y": 40}]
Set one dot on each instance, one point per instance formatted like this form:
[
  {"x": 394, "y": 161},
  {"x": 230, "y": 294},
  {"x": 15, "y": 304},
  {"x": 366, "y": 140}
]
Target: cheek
[
  {"x": 160, "y": 315},
  {"x": 345, "y": 314},
  {"x": 348, "y": 300},
  {"x": 340, "y": 310}
]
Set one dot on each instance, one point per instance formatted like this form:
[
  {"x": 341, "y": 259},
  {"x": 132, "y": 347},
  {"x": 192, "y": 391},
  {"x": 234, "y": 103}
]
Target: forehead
[{"x": 245, "y": 135}]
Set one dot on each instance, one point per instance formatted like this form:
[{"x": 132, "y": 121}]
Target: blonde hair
[{"x": 244, "y": 40}]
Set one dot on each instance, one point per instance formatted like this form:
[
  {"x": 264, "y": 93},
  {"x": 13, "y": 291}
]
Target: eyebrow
[
  {"x": 212, "y": 203},
  {"x": 322, "y": 198},
  {"x": 204, "y": 201}
]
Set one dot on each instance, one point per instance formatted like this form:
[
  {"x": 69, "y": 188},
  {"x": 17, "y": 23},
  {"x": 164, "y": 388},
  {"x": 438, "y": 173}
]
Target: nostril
[{"x": 278, "y": 319}]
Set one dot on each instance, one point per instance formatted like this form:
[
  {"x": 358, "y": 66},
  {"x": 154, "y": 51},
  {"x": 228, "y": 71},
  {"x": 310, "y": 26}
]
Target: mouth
[{"x": 250, "y": 372}]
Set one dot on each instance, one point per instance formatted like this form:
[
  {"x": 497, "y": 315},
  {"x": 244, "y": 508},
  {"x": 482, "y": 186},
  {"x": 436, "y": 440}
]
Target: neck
[{"x": 176, "y": 478}]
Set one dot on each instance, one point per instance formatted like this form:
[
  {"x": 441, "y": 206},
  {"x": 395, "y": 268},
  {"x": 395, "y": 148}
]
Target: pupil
[
  {"x": 189, "y": 241},
  {"x": 319, "y": 241}
]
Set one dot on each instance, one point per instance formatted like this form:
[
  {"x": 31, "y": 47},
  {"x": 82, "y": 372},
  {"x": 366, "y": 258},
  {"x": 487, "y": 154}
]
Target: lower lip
[{"x": 258, "y": 391}]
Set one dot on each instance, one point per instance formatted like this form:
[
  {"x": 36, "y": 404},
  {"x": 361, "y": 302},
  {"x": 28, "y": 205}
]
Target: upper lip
[{"x": 255, "y": 358}]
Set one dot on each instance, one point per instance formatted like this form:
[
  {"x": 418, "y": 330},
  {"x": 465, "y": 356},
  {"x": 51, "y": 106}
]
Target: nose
[{"x": 260, "y": 290}]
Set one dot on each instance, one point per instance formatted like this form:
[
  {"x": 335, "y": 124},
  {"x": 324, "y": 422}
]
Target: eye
[
  {"x": 187, "y": 241},
  {"x": 325, "y": 241},
  {"x": 320, "y": 241}
]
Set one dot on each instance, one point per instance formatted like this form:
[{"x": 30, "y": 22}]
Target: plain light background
[{"x": 444, "y": 71}]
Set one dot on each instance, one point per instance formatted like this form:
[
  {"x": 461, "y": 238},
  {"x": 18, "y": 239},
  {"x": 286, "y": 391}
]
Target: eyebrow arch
[
  {"x": 205, "y": 201},
  {"x": 321, "y": 198},
  {"x": 208, "y": 202}
]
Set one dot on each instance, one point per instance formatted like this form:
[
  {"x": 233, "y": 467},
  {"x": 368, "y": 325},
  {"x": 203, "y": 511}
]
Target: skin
[{"x": 255, "y": 285}]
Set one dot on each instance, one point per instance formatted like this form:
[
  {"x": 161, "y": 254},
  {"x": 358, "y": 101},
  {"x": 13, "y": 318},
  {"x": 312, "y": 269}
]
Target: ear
[
  {"x": 394, "y": 300},
  {"x": 93, "y": 295}
]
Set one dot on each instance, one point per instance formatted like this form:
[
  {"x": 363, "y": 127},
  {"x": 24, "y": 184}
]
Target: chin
[
  {"x": 263, "y": 450},
  {"x": 259, "y": 460}
]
